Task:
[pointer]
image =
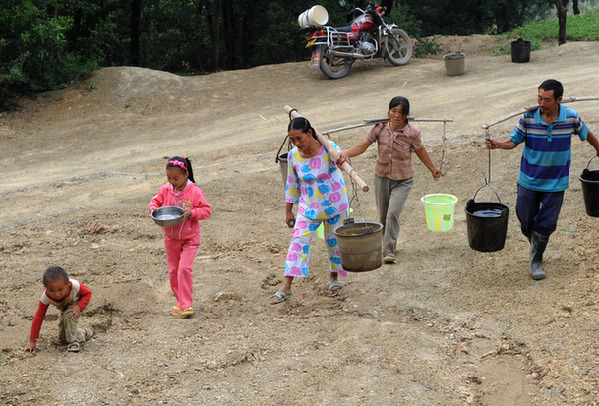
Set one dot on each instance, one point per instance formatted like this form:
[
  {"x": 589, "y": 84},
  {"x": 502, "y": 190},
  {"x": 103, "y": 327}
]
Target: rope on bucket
[
  {"x": 281, "y": 147},
  {"x": 443, "y": 150},
  {"x": 488, "y": 180},
  {"x": 285, "y": 139},
  {"x": 354, "y": 196}
]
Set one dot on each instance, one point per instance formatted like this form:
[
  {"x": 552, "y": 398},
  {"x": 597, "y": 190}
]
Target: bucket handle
[
  {"x": 482, "y": 187},
  {"x": 590, "y": 161},
  {"x": 285, "y": 139},
  {"x": 281, "y": 147}
]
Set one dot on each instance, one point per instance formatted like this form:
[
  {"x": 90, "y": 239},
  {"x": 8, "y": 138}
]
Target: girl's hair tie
[{"x": 178, "y": 163}]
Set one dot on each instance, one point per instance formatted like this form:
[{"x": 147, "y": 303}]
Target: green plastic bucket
[{"x": 439, "y": 209}]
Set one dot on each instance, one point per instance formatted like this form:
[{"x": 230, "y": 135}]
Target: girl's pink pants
[{"x": 180, "y": 255}]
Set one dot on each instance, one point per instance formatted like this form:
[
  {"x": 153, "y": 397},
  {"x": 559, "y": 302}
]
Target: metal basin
[{"x": 167, "y": 216}]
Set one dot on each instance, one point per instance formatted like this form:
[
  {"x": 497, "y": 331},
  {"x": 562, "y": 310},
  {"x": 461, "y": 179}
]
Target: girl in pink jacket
[{"x": 182, "y": 240}]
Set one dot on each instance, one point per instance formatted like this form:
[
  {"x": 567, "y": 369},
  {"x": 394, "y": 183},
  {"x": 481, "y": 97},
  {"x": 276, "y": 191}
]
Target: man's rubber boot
[{"x": 538, "y": 243}]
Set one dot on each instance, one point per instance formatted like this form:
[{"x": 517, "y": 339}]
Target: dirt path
[{"x": 445, "y": 326}]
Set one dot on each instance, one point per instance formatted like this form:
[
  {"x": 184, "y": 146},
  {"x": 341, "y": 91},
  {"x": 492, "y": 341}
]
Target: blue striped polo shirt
[{"x": 545, "y": 164}]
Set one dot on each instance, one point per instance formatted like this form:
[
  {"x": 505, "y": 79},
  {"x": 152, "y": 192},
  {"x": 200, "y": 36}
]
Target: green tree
[
  {"x": 467, "y": 17},
  {"x": 33, "y": 49}
]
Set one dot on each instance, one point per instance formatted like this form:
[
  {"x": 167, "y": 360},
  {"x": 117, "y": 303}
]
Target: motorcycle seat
[{"x": 347, "y": 28}]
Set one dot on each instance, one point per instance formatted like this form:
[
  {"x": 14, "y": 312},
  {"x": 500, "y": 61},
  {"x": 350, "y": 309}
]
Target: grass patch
[{"x": 582, "y": 27}]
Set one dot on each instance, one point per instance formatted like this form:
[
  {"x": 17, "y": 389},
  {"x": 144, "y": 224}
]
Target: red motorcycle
[{"x": 368, "y": 36}]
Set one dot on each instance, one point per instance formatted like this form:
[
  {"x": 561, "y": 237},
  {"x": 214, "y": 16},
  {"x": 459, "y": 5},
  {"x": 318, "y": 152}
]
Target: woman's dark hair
[
  {"x": 185, "y": 168},
  {"x": 55, "y": 273},
  {"x": 302, "y": 124},
  {"x": 403, "y": 102},
  {"x": 552, "y": 84}
]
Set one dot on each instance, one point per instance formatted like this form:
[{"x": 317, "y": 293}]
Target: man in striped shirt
[{"x": 545, "y": 166}]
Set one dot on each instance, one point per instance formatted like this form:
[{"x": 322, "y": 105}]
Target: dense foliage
[
  {"x": 45, "y": 43},
  {"x": 582, "y": 27}
]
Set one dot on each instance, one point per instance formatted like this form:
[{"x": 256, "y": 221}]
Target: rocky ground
[{"x": 446, "y": 325}]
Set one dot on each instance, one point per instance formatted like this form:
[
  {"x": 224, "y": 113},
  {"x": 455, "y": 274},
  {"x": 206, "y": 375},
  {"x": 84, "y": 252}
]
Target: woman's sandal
[
  {"x": 334, "y": 288},
  {"x": 176, "y": 311},
  {"x": 74, "y": 346},
  {"x": 279, "y": 297}
]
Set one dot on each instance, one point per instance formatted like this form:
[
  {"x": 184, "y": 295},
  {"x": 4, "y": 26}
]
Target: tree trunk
[
  {"x": 562, "y": 15},
  {"x": 135, "y": 31},
  {"x": 216, "y": 33}
]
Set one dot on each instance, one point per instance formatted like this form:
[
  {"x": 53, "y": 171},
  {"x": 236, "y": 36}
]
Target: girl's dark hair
[
  {"x": 55, "y": 273},
  {"x": 403, "y": 102},
  {"x": 302, "y": 124},
  {"x": 186, "y": 168}
]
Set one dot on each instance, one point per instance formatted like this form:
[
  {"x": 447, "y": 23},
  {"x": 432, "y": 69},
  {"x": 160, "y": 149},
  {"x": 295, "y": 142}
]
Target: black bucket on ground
[
  {"x": 360, "y": 245},
  {"x": 520, "y": 50},
  {"x": 590, "y": 190},
  {"x": 486, "y": 223}
]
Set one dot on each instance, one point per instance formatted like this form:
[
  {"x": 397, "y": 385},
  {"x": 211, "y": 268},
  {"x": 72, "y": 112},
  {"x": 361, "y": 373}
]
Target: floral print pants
[{"x": 298, "y": 256}]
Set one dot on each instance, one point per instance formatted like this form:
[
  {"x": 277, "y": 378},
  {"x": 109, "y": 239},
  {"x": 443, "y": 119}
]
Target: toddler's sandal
[
  {"x": 88, "y": 333},
  {"x": 75, "y": 346}
]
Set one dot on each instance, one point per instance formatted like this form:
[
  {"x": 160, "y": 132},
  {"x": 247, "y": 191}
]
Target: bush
[
  {"x": 34, "y": 47},
  {"x": 582, "y": 27}
]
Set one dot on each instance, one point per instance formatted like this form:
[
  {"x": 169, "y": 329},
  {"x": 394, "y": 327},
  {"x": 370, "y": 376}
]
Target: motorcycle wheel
[
  {"x": 335, "y": 67},
  {"x": 398, "y": 47}
]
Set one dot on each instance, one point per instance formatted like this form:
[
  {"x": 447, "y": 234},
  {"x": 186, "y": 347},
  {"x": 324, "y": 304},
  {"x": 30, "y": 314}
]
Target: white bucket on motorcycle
[{"x": 316, "y": 16}]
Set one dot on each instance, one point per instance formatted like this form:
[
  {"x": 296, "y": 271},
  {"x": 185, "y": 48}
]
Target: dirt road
[{"x": 446, "y": 325}]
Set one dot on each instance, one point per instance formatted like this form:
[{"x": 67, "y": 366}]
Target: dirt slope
[{"x": 447, "y": 325}]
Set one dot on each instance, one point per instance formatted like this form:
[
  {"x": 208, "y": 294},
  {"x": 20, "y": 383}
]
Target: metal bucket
[
  {"x": 360, "y": 245},
  {"x": 590, "y": 190},
  {"x": 282, "y": 159},
  {"x": 455, "y": 63}
]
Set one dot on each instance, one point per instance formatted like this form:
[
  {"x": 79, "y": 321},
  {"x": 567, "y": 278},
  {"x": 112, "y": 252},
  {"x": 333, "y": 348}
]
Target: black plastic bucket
[
  {"x": 487, "y": 225},
  {"x": 590, "y": 190},
  {"x": 520, "y": 50}
]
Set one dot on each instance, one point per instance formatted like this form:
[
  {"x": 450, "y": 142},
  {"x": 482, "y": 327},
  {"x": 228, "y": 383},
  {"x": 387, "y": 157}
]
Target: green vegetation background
[{"x": 46, "y": 44}]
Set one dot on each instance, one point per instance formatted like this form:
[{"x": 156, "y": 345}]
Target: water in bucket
[{"x": 439, "y": 210}]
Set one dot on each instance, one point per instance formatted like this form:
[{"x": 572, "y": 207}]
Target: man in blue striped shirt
[{"x": 545, "y": 166}]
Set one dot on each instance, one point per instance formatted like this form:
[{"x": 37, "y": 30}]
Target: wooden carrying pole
[
  {"x": 533, "y": 107},
  {"x": 293, "y": 113},
  {"x": 374, "y": 121}
]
